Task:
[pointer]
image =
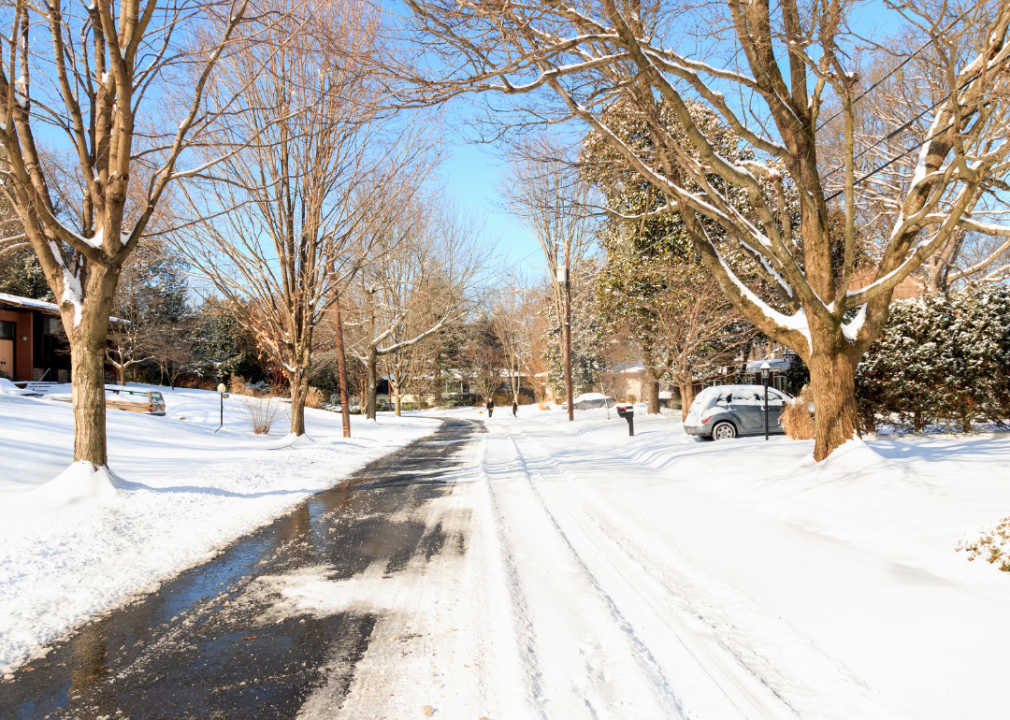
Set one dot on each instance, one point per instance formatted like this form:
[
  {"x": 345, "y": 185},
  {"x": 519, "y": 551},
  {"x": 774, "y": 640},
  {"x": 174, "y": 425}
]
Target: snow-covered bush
[
  {"x": 991, "y": 544},
  {"x": 941, "y": 359}
]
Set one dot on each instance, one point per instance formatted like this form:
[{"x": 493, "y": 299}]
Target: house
[{"x": 33, "y": 345}]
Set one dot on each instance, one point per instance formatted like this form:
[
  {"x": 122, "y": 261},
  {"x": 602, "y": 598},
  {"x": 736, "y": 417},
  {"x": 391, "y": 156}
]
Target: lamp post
[
  {"x": 221, "y": 391},
  {"x": 764, "y": 376}
]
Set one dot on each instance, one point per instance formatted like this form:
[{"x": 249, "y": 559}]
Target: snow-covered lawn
[
  {"x": 656, "y": 576},
  {"x": 184, "y": 492}
]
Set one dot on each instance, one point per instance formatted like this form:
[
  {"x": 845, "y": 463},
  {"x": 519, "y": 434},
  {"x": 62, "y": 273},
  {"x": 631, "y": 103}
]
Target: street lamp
[
  {"x": 221, "y": 389},
  {"x": 764, "y": 376}
]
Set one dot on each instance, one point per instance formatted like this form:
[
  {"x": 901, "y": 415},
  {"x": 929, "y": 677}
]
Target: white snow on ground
[
  {"x": 656, "y": 576},
  {"x": 74, "y": 543}
]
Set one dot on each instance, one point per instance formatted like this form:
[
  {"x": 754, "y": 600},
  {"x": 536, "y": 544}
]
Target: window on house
[
  {"x": 8, "y": 330},
  {"x": 52, "y": 326}
]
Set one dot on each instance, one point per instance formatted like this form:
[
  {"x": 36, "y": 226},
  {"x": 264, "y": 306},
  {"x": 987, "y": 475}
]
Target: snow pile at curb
[
  {"x": 9, "y": 388},
  {"x": 81, "y": 483},
  {"x": 853, "y": 457},
  {"x": 991, "y": 544}
]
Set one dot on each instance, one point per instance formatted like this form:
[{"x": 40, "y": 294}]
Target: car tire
[{"x": 724, "y": 431}]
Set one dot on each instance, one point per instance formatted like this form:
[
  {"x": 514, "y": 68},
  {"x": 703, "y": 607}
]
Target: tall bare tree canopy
[
  {"x": 768, "y": 70},
  {"x": 282, "y": 224},
  {"x": 420, "y": 277},
  {"x": 121, "y": 86}
]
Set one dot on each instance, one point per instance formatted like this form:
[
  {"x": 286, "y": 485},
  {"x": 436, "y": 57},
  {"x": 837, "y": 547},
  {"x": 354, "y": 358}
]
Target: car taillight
[{"x": 150, "y": 408}]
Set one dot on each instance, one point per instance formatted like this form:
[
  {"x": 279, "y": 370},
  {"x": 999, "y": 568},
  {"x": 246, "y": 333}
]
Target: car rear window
[{"x": 156, "y": 397}]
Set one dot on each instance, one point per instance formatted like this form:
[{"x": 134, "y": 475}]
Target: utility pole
[
  {"x": 338, "y": 327},
  {"x": 568, "y": 334}
]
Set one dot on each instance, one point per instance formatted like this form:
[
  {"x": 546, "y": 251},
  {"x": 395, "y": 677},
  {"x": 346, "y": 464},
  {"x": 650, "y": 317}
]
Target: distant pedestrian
[
  {"x": 490, "y": 407},
  {"x": 515, "y": 408}
]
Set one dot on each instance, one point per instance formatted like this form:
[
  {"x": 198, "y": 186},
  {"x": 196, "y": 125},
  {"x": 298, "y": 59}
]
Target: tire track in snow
[
  {"x": 522, "y": 621},
  {"x": 642, "y": 656},
  {"x": 743, "y": 695},
  {"x": 720, "y": 642}
]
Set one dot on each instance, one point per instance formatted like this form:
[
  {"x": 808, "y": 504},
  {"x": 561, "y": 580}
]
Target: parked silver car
[{"x": 726, "y": 411}]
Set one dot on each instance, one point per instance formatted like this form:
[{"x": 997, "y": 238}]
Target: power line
[
  {"x": 904, "y": 127},
  {"x": 892, "y": 72},
  {"x": 893, "y": 160}
]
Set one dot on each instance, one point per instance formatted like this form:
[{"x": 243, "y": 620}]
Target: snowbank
[
  {"x": 75, "y": 541},
  {"x": 82, "y": 482}
]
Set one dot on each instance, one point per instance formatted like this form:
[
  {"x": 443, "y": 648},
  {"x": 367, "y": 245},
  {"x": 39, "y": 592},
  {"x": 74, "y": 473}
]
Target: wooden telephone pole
[{"x": 338, "y": 327}]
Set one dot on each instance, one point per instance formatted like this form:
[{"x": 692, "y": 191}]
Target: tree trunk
[
  {"x": 298, "y": 382},
  {"x": 832, "y": 380},
  {"x": 653, "y": 386},
  {"x": 88, "y": 341},
  {"x": 370, "y": 384},
  {"x": 121, "y": 373},
  {"x": 686, "y": 398},
  {"x": 395, "y": 388}
]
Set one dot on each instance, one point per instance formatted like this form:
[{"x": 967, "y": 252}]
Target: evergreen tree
[
  {"x": 652, "y": 271},
  {"x": 943, "y": 358},
  {"x": 21, "y": 274}
]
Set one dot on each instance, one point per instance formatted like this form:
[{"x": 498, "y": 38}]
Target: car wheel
[{"x": 723, "y": 431}]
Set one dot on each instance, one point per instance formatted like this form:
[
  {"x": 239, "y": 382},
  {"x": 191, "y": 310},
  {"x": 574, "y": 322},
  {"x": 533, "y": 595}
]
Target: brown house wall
[
  {"x": 23, "y": 349},
  {"x": 24, "y": 362}
]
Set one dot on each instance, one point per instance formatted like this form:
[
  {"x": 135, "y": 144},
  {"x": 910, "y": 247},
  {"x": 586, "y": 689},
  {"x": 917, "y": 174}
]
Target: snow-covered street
[
  {"x": 654, "y": 576},
  {"x": 564, "y": 570}
]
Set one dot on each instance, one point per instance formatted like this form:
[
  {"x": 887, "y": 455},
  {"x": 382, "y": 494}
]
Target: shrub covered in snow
[
  {"x": 991, "y": 544},
  {"x": 941, "y": 359}
]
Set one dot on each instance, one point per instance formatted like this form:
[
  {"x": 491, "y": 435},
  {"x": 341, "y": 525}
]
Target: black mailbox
[{"x": 627, "y": 411}]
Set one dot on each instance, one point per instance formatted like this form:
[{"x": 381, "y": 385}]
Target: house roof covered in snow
[
  {"x": 23, "y": 302},
  {"x": 46, "y": 308}
]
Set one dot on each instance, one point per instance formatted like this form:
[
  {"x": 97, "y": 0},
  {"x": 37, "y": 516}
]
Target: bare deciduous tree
[
  {"x": 99, "y": 75},
  {"x": 289, "y": 217},
  {"x": 513, "y": 318},
  {"x": 698, "y": 331},
  {"x": 542, "y": 188},
  {"x": 784, "y": 60},
  {"x": 417, "y": 280}
]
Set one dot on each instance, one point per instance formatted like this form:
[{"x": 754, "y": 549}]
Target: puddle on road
[{"x": 192, "y": 650}]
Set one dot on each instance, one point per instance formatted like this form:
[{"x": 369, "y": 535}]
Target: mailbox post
[{"x": 627, "y": 411}]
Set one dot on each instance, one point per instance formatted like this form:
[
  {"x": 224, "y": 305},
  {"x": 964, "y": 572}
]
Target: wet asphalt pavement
[{"x": 190, "y": 651}]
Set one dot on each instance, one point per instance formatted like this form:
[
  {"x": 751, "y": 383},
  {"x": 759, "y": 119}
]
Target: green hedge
[{"x": 941, "y": 359}]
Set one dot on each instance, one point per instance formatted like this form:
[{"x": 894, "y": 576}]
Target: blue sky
[{"x": 471, "y": 176}]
